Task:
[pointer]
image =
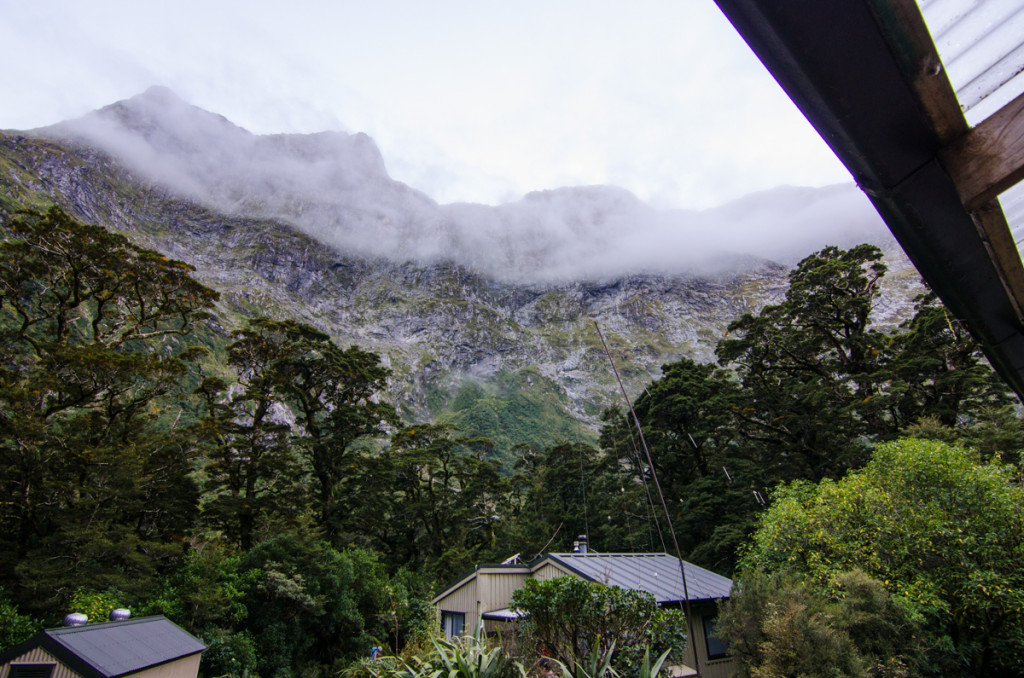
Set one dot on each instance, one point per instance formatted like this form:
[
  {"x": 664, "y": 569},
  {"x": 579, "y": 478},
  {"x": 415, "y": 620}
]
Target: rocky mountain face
[{"x": 485, "y": 314}]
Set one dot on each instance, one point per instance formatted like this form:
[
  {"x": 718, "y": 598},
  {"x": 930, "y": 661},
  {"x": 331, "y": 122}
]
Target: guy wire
[
  {"x": 664, "y": 506},
  {"x": 647, "y": 488}
]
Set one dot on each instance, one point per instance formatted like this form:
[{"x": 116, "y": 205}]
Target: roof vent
[
  {"x": 580, "y": 545},
  {"x": 75, "y": 619},
  {"x": 119, "y": 614}
]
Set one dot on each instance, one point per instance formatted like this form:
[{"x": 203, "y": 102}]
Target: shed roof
[
  {"x": 112, "y": 649},
  {"x": 655, "y": 573}
]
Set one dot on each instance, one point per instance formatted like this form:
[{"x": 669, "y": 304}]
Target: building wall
[
  {"x": 709, "y": 668},
  {"x": 463, "y": 599},
  {"x": 487, "y": 590},
  {"x": 491, "y": 590},
  {"x": 550, "y": 571},
  {"x": 39, "y": 656},
  {"x": 186, "y": 667},
  {"x": 495, "y": 589}
]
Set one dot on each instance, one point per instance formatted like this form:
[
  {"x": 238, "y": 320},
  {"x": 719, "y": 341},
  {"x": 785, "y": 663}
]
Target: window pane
[
  {"x": 716, "y": 647},
  {"x": 452, "y": 623}
]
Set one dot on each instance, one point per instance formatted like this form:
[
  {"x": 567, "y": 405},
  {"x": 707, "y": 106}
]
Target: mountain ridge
[
  {"x": 443, "y": 326},
  {"x": 335, "y": 187}
]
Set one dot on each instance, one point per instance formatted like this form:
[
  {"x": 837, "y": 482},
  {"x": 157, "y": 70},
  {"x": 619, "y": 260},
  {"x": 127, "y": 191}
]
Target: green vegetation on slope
[
  {"x": 222, "y": 471},
  {"x": 516, "y": 408}
]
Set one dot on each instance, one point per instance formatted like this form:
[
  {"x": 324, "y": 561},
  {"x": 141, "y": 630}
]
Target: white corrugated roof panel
[{"x": 981, "y": 44}]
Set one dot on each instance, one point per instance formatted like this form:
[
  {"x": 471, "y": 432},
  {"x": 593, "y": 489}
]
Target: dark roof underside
[
  {"x": 656, "y": 573},
  {"x": 866, "y": 75}
]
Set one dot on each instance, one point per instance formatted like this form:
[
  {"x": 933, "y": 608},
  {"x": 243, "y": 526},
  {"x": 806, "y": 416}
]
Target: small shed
[{"x": 147, "y": 647}]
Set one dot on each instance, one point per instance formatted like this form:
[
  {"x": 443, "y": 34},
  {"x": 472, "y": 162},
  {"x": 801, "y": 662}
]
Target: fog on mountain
[{"x": 335, "y": 187}]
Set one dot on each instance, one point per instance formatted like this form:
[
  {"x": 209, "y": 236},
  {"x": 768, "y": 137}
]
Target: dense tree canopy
[
  {"x": 942, "y": 531},
  {"x": 248, "y": 478},
  {"x": 93, "y": 352},
  {"x": 805, "y": 388},
  {"x": 778, "y": 625}
]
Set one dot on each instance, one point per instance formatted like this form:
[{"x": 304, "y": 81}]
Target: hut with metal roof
[
  {"x": 147, "y": 647},
  {"x": 483, "y": 595}
]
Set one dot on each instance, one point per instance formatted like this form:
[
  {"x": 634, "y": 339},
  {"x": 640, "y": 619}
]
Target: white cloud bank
[
  {"x": 467, "y": 100},
  {"x": 335, "y": 187}
]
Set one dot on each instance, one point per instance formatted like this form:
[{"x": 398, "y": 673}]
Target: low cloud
[{"x": 335, "y": 187}]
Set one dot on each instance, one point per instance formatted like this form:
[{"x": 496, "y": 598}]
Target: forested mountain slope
[
  {"x": 267, "y": 453},
  {"x": 485, "y": 314}
]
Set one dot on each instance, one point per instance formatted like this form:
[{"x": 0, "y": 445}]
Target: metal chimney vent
[
  {"x": 120, "y": 614},
  {"x": 580, "y": 545},
  {"x": 75, "y": 619}
]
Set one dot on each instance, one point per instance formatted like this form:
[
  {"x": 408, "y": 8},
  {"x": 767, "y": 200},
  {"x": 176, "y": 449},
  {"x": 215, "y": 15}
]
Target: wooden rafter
[
  {"x": 866, "y": 74},
  {"x": 995, "y": 234},
  {"x": 989, "y": 158},
  {"x": 983, "y": 161}
]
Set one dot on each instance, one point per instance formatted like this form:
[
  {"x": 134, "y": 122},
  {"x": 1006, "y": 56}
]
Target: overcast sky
[{"x": 469, "y": 100}]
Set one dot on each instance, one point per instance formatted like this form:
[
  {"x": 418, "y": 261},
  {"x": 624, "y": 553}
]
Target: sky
[{"x": 469, "y": 101}]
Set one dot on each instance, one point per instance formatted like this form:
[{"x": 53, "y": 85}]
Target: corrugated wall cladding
[
  {"x": 40, "y": 656},
  {"x": 463, "y": 599},
  {"x": 549, "y": 571},
  {"x": 186, "y": 667},
  {"x": 498, "y": 592}
]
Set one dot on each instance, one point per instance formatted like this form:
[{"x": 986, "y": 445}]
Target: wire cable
[{"x": 661, "y": 496}]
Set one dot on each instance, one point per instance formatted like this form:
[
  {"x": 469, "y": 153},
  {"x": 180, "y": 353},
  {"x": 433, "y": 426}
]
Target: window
[
  {"x": 717, "y": 649},
  {"x": 31, "y": 670},
  {"x": 453, "y": 623}
]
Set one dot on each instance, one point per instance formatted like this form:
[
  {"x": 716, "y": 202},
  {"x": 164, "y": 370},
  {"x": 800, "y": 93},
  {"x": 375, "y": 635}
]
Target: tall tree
[
  {"x": 334, "y": 394},
  {"x": 444, "y": 498},
  {"x": 708, "y": 476},
  {"x": 93, "y": 340},
  {"x": 937, "y": 370},
  {"x": 561, "y": 492},
  {"x": 254, "y": 476},
  {"x": 809, "y": 365}
]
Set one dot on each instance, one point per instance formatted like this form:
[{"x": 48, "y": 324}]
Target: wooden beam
[
  {"x": 914, "y": 51},
  {"x": 1002, "y": 250},
  {"x": 988, "y": 159}
]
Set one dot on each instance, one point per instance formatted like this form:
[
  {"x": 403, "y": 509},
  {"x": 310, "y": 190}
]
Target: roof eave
[{"x": 866, "y": 76}]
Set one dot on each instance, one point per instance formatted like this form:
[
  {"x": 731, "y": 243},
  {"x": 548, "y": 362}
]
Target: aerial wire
[{"x": 661, "y": 496}]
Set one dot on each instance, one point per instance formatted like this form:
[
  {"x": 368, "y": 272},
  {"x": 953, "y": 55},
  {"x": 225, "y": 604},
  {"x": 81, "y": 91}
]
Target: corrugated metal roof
[
  {"x": 504, "y": 614},
  {"x": 656, "y": 573},
  {"x": 981, "y": 44},
  {"x": 1012, "y": 202},
  {"x": 118, "y": 648}
]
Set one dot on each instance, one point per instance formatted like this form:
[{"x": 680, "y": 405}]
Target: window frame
[{"x": 448, "y": 626}]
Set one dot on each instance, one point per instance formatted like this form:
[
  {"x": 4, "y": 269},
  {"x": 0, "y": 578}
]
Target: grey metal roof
[
  {"x": 656, "y": 573},
  {"x": 111, "y": 649},
  {"x": 504, "y": 614}
]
